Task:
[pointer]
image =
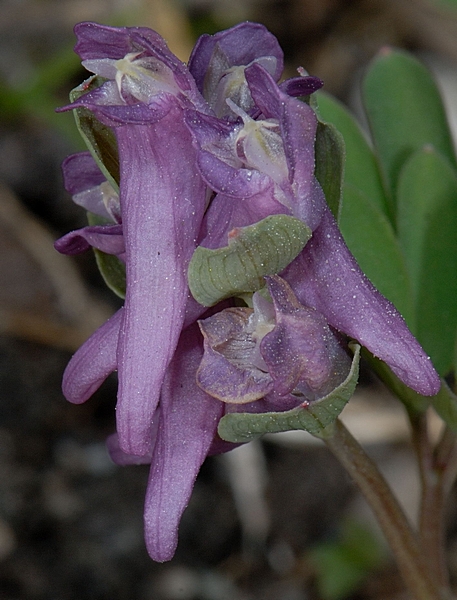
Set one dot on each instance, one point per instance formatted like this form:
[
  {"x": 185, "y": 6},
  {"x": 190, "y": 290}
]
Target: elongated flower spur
[{"x": 214, "y": 199}]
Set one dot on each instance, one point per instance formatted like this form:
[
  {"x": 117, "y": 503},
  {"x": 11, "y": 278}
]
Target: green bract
[
  {"x": 330, "y": 164},
  {"x": 253, "y": 252},
  {"x": 99, "y": 138},
  {"x": 314, "y": 418}
]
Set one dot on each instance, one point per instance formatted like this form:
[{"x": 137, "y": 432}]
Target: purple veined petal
[
  {"x": 301, "y": 352},
  {"x": 121, "y": 458},
  {"x": 188, "y": 424},
  {"x": 81, "y": 173},
  {"x": 326, "y": 276},
  {"x": 103, "y": 41},
  {"x": 213, "y": 135},
  {"x": 97, "y": 42},
  {"x": 227, "y": 213},
  {"x": 107, "y": 238},
  {"x": 219, "y": 164},
  {"x": 231, "y": 181},
  {"x": 227, "y": 382},
  {"x": 298, "y": 129},
  {"x": 88, "y": 187},
  {"x": 92, "y": 362},
  {"x": 301, "y": 86},
  {"x": 227, "y": 370},
  {"x": 162, "y": 202},
  {"x": 241, "y": 45},
  {"x": 112, "y": 111}
]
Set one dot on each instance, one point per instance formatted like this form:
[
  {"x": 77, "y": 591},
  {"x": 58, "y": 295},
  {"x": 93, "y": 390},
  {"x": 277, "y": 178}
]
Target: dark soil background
[{"x": 70, "y": 520}]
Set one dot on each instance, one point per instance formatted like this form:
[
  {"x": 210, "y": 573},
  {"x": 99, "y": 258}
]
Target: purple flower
[
  {"x": 279, "y": 348},
  {"x": 162, "y": 200},
  {"x": 89, "y": 189},
  {"x": 267, "y": 164},
  {"x": 205, "y": 150}
]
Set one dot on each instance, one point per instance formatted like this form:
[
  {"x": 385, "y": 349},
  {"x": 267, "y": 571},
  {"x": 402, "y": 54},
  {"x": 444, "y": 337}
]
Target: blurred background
[{"x": 276, "y": 520}]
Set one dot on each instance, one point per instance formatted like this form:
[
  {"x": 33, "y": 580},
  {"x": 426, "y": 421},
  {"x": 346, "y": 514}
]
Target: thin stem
[
  {"x": 432, "y": 470},
  {"x": 401, "y": 538}
]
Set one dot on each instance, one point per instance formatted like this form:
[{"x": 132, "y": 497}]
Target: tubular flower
[{"x": 162, "y": 200}]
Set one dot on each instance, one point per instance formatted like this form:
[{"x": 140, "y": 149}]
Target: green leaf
[
  {"x": 329, "y": 156},
  {"x": 110, "y": 267},
  {"x": 427, "y": 230},
  {"x": 370, "y": 237},
  {"x": 405, "y": 112},
  {"x": 99, "y": 139},
  {"x": 265, "y": 248},
  {"x": 314, "y": 418},
  {"x": 361, "y": 169}
]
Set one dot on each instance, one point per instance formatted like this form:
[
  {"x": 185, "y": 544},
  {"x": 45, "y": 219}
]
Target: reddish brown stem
[{"x": 403, "y": 542}]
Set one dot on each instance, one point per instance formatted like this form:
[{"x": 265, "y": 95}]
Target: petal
[
  {"x": 121, "y": 458},
  {"x": 88, "y": 186},
  {"x": 110, "y": 109},
  {"x": 326, "y": 276},
  {"x": 103, "y": 42},
  {"x": 227, "y": 369},
  {"x": 241, "y": 45},
  {"x": 162, "y": 203},
  {"x": 92, "y": 362},
  {"x": 81, "y": 173},
  {"x": 301, "y": 352},
  {"x": 188, "y": 424},
  {"x": 107, "y": 238},
  {"x": 225, "y": 214},
  {"x": 298, "y": 129},
  {"x": 301, "y": 86},
  {"x": 231, "y": 181}
]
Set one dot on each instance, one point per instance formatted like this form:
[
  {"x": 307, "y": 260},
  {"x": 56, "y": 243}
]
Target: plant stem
[
  {"x": 437, "y": 470},
  {"x": 401, "y": 538}
]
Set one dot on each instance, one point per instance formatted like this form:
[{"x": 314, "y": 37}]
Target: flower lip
[
  {"x": 145, "y": 69},
  {"x": 239, "y": 45},
  {"x": 283, "y": 347}
]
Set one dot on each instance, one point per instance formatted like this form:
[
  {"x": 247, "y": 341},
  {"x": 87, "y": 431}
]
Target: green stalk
[
  {"x": 403, "y": 542},
  {"x": 437, "y": 470}
]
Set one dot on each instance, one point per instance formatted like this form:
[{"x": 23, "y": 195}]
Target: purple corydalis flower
[
  {"x": 89, "y": 189},
  {"x": 162, "y": 200},
  {"x": 259, "y": 160},
  {"x": 218, "y": 63},
  {"x": 325, "y": 276},
  {"x": 279, "y": 347}
]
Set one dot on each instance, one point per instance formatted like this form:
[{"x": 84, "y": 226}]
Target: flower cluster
[{"x": 214, "y": 158}]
